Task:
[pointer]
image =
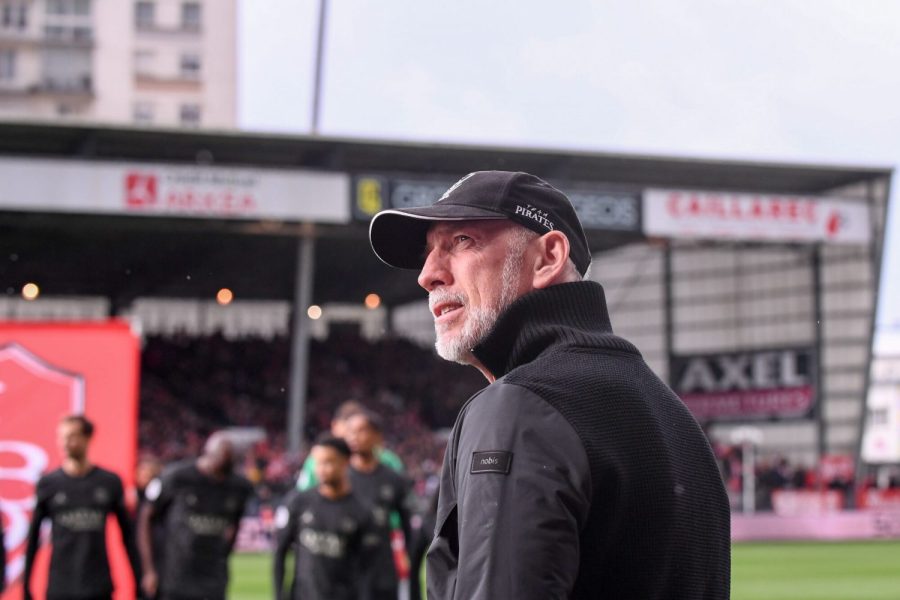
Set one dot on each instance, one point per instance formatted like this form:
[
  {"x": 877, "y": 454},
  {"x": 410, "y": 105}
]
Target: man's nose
[{"x": 435, "y": 271}]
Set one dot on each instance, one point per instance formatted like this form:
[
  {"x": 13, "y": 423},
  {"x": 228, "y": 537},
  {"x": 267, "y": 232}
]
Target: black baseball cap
[{"x": 398, "y": 235}]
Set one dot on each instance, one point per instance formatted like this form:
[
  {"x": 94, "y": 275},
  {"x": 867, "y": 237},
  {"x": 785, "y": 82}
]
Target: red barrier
[
  {"x": 878, "y": 498},
  {"x": 47, "y": 371},
  {"x": 806, "y": 502},
  {"x": 836, "y": 526}
]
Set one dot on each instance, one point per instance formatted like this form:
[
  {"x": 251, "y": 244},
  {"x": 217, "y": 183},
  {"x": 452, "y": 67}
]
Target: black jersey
[
  {"x": 332, "y": 541},
  {"x": 201, "y": 517},
  {"x": 383, "y": 491},
  {"x": 77, "y": 508}
]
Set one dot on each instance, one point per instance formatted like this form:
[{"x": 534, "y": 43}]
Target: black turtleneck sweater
[{"x": 578, "y": 473}]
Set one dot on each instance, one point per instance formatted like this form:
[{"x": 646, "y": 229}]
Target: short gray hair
[{"x": 522, "y": 236}]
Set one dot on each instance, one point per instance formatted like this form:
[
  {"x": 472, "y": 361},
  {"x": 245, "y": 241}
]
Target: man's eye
[{"x": 461, "y": 238}]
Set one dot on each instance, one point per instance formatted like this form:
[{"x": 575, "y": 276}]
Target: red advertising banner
[
  {"x": 837, "y": 467},
  {"x": 48, "y": 371},
  {"x": 704, "y": 214},
  {"x": 806, "y": 502},
  {"x": 829, "y": 526},
  {"x": 878, "y": 498}
]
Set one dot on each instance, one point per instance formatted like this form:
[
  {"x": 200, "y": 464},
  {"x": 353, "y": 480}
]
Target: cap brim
[{"x": 398, "y": 236}]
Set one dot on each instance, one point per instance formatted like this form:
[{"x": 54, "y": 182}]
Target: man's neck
[
  {"x": 364, "y": 462},
  {"x": 204, "y": 467},
  {"x": 484, "y": 371},
  {"x": 76, "y": 467},
  {"x": 334, "y": 491}
]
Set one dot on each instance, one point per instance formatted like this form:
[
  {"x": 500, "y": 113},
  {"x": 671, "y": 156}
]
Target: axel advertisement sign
[
  {"x": 757, "y": 384},
  {"x": 48, "y": 371}
]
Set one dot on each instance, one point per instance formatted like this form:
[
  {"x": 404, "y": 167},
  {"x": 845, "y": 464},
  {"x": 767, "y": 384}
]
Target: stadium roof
[{"x": 127, "y": 257}]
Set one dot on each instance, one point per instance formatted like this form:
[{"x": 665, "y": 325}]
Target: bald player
[{"x": 200, "y": 503}]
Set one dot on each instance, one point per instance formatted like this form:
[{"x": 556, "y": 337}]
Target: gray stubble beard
[{"x": 480, "y": 321}]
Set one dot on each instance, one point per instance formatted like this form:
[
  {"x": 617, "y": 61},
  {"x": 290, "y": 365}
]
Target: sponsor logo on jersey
[
  {"x": 81, "y": 519},
  {"x": 207, "y": 525},
  {"x": 322, "y": 543}
]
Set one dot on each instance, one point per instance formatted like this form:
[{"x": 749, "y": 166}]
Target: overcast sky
[{"x": 809, "y": 81}]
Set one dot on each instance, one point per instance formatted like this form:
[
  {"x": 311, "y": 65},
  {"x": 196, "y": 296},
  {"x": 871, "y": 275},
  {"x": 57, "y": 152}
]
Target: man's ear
[{"x": 551, "y": 258}]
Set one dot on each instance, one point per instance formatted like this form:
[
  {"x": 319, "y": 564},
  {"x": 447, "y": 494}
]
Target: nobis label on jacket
[{"x": 492, "y": 461}]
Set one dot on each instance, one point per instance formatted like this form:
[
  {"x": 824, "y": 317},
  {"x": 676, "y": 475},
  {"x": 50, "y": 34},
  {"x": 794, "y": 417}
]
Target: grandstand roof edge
[{"x": 88, "y": 140}]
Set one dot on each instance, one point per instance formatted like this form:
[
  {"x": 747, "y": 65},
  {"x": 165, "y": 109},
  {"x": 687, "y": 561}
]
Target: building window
[
  {"x": 878, "y": 417},
  {"x": 7, "y": 65},
  {"x": 191, "y": 15},
  {"x": 190, "y": 66},
  {"x": 144, "y": 15},
  {"x": 144, "y": 61},
  {"x": 22, "y": 20},
  {"x": 81, "y": 8},
  {"x": 14, "y": 15},
  {"x": 56, "y": 32},
  {"x": 81, "y": 34},
  {"x": 143, "y": 113},
  {"x": 190, "y": 115},
  {"x": 68, "y": 33}
]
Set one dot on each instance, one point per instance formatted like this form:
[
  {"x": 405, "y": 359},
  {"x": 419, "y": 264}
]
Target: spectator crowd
[{"x": 192, "y": 386}]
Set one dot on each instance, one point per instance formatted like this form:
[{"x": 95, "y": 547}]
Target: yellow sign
[{"x": 368, "y": 195}]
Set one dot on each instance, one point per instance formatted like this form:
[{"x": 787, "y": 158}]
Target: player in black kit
[
  {"x": 201, "y": 502},
  {"x": 77, "y": 497},
  {"x": 329, "y": 529},
  {"x": 384, "y": 491}
]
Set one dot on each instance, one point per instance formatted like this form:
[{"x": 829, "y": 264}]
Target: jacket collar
[{"x": 572, "y": 314}]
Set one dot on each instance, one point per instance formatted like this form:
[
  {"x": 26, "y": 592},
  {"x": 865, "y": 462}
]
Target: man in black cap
[{"x": 576, "y": 473}]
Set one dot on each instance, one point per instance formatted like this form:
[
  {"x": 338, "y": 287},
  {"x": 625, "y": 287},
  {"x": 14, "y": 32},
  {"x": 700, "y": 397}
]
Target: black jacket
[{"x": 578, "y": 473}]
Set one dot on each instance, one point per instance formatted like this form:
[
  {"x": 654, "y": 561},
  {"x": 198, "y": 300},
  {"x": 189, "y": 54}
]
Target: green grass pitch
[{"x": 785, "y": 571}]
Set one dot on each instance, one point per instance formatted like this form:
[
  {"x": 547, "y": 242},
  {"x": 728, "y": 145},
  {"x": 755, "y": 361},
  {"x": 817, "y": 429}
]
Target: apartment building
[{"x": 145, "y": 62}]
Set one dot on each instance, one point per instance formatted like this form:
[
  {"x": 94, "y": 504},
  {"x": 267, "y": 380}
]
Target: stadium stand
[{"x": 191, "y": 386}]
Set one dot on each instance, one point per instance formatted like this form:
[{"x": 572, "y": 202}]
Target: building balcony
[
  {"x": 47, "y": 40},
  {"x": 80, "y": 87},
  {"x": 68, "y": 38},
  {"x": 173, "y": 82},
  {"x": 164, "y": 30},
  {"x": 21, "y": 39}
]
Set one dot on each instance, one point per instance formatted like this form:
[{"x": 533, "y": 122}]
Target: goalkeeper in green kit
[{"x": 307, "y": 478}]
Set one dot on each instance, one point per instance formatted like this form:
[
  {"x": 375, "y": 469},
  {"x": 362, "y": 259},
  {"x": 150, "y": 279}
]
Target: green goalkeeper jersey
[{"x": 307, "y": 478}]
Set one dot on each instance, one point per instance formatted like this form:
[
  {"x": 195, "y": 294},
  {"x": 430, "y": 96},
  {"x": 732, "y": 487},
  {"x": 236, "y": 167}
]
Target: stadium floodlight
[
  {"x": 30, "y": 291},
  {"x": 224, "y": 296},
  {"x": 373, "y": 301}
]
